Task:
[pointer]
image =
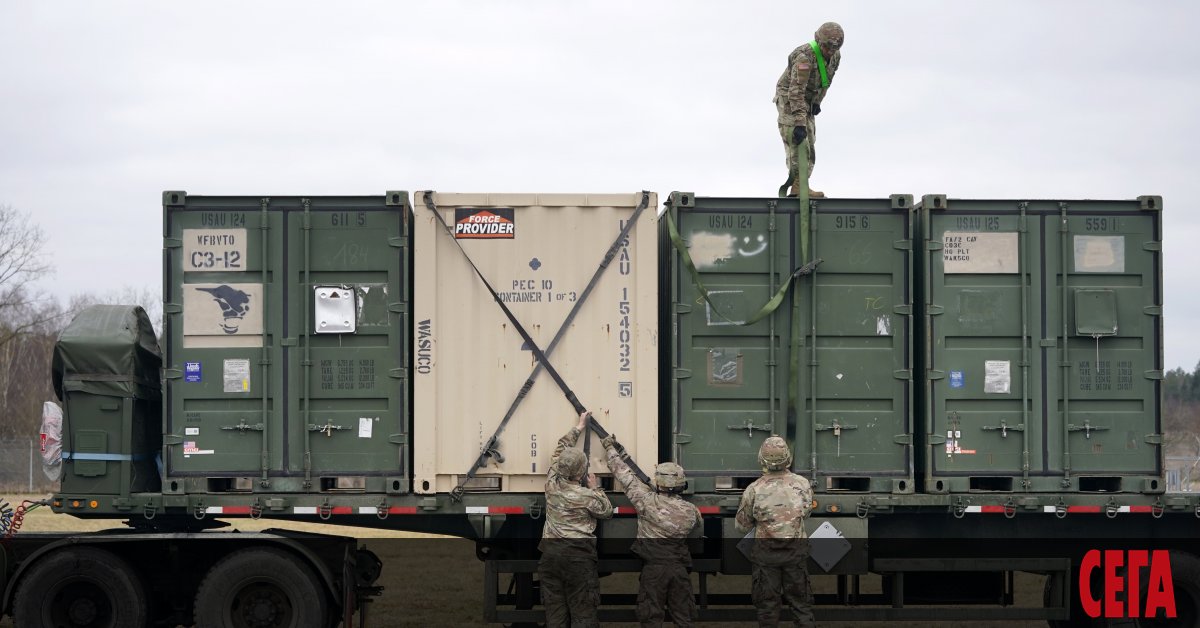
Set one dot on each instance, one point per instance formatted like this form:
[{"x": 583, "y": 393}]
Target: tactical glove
[
  {"x": 799, "y": 134},
  {"x": 816, "y": 108}
]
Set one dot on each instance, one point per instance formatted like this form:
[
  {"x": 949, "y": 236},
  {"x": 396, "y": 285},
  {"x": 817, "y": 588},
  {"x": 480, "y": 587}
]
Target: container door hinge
[
  {"x": 1153, "y": 374},
  {"x": 172, "y": 439},
  {"x": 1152, "y": 246},
  {"x": 932, "y": 374},
  {"x": 933, "y": 245},
  {"x": 934, "y": 310},
  {"x": 903, "y": 245},
  {"x": 172, "y": 373},
  {"x": 902, "y": 439},
  {"x": 398, "y": 373},
  {"x": 398, "y": 439},
  {"x": 902, "y": 374},
  {"x": 937, "y": 439},
  {"x": 683, "y": 373},
  {"x": 397, "y": 243},
  {"x": 683, "y": 308},
  {"x": 1154, "y": 439},
  {"x": 682, "y": 439},
  {"x": 1153, "y": 310},
  {"x": 172, "y": 308},
  {"x": 905, "y": 309},
  {"x": 172, "y": 243},
  {"x": 398, "y": 308}
]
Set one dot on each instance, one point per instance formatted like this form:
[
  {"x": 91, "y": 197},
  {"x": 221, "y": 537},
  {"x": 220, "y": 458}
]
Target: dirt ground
[{"x": 437, "y": 581}]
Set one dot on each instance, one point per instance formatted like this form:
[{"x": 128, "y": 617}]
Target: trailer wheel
[
  {"x": 81, "y": 587},
  {"x": 1185, "y": 576},
  {"x": 261, "y": 588}
]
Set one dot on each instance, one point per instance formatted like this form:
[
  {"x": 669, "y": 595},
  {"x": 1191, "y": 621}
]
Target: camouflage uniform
[
  {"x": 664, "y": 523},
  {"x": 567, "y": 569},
  {"x": 799, "y": 89},
  {"x": 775, "y": 507}
]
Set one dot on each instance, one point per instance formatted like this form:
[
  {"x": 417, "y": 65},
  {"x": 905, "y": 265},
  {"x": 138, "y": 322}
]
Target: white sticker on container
[
  {"x": 237, "y": 376},
  {"x": 980, "y": 252},
  {"x": 1099, "y": 254},
  {"x": 365, "y": 425},
  {"x": 997, "y": 377},
  {"x": 214, "y": 250},
  {"x": 191, "y": 431}
]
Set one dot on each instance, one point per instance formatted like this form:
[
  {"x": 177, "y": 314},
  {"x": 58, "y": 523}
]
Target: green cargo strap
[
  {"x": 770, "y": 306},
  {"x": 802, "y": 178},
  {"x": 820, "y": 62}
]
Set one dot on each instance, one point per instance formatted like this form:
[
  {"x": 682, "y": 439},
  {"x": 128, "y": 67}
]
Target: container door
[
  {"x": 220, "y": 336},
  {"x": 981, "y": 324},
  {"x": 856, "y": 366},
  {"x": 347, "y": 336},
  {"x": 730, "y": 380},
  {"x": 1107, "y": 316}
]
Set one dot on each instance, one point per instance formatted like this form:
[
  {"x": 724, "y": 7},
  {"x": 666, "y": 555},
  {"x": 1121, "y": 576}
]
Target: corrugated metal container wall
[
  {"x": 286, "y": 343},
  {"x": 540, "y": 252},
  {"x": 1044, "y": 345},
  {"x": 844, "y": 347}
]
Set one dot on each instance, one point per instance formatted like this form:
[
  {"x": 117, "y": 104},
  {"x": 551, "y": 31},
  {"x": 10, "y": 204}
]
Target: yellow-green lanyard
[{"x": 820, "y": 62}]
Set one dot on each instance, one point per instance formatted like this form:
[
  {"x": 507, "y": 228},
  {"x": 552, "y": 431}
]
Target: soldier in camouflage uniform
[
  {"x": 775, "y": 507},
  {"x": 798, "y": 95},
  {"x": 664, "y": 522},
  {"x": 570, "y": 583}
]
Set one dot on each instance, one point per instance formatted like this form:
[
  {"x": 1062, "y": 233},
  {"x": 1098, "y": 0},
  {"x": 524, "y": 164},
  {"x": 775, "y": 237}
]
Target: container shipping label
[
  {"x": 237, "y": 376},
  {"x": 980, "y": 252},
  {"x": 484, "y": 224},
  {"x": 228, "y": 314},
  {"x": 214, "y": 250},
  {"x": 1099, "y": 254},
  {"x": 997, "y": 377}
]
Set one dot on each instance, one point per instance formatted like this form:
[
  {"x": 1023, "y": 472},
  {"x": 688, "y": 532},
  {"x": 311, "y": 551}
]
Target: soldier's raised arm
[
  {"x": 634, "y": 488},
  {"x": 570, "y": 438}
]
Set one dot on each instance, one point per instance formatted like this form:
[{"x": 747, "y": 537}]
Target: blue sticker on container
[
  {"x": 191, "y": 371},
  {"x": 956, "y": 379}
]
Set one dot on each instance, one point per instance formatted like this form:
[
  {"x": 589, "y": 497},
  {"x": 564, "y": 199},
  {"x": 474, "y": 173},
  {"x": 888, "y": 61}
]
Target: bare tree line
[{"x": 31, "y": 320}]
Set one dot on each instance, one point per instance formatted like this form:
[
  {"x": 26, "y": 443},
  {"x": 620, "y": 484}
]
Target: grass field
[{"x": 438, "y": 581}]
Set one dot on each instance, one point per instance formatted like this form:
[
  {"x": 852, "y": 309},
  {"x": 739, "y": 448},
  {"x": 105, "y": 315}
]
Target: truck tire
[
  {"x": 261, "y": 587},
  {"x": 80, "y": 587},
  {"x": 1185, "y": 576}
]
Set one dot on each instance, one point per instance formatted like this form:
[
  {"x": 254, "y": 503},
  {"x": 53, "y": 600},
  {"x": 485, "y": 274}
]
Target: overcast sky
[{"x": 107, "y": 104}]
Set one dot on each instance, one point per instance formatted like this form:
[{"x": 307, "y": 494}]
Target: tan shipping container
[{"x": 539, "y": 252}]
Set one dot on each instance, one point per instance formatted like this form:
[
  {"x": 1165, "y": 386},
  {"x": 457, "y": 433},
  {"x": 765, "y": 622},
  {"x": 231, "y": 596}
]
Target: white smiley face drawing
[{"x": 762, "y": 246}]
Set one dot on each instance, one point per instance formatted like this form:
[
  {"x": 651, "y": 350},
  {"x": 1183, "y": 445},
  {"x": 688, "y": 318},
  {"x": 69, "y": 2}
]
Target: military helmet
[
  {"x": 572, "y": 463},
  {"x": 669, "y": 476},
  {"x": 774, "y": 454},
  {"x": 830, "y": 34}
]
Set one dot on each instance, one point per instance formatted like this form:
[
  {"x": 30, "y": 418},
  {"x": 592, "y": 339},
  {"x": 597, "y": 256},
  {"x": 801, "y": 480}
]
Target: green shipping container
[
  {"x": 839, "y": 342},
  {"x": 286, "y": 339},
  {"x": 1043, "y": 345}
]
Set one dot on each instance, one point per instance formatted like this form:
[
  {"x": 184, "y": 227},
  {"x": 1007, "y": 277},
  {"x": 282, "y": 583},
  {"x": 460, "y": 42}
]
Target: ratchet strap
[{"x": 490, "y": 449}]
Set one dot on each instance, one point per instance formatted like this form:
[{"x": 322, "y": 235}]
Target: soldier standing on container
[
  {"x": 570, "y": 582},
  {"x": 798, "y": 95},
  {"x": 665, "y": 520},
  {"x": 775, "y": 507}
]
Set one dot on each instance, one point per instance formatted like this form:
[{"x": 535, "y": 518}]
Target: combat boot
[{"x": 815, "y": 194}]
